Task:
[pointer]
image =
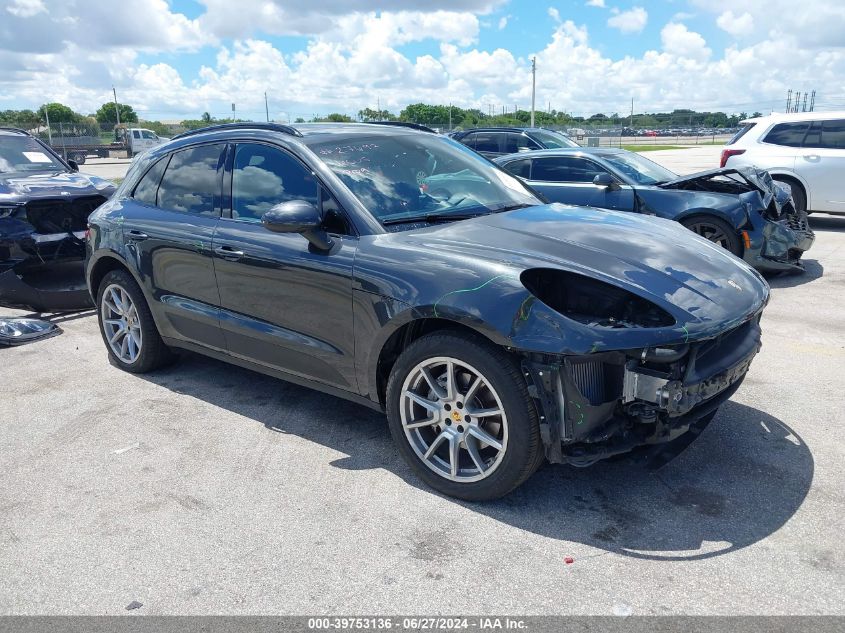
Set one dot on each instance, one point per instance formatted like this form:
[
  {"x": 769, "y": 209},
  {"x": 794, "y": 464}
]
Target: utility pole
[
  {"x": 116, "y": 109},
  {"x": 450, "y": 116},
  {"x": 266, "y": 107},
  {"x": 47, "y": 116},
  {"x": 233, "y": 113},
  {"x": 812, "y": 100},
  {"x": 631, "y": 121},
  {"x": 533, "y": 86}
]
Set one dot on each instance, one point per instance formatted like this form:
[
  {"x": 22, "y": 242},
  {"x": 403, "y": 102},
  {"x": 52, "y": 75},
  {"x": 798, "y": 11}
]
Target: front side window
[
  {"x": 553, "y": 140},
  {"x": 833, "y": 134},
  {"x": 520, "y": 168},
  {"x": 565, "y": 169},
  {"x": 147, "y": 134},
  {"x": 787, "y": 134},
  {"x": 408, "y": 177},
  {"x": 191, "y": 182},
  {"x": 638, "y": 169},
  {"x": 263, "y": 177}
]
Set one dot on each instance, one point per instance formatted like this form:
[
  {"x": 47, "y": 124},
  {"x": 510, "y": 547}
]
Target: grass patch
[{"x": 652, "y": 148}]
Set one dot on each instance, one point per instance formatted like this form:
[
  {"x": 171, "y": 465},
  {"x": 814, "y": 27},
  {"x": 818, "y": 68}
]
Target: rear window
[
  {"x": 787, "y": 134},
  {"x": 742, "y": 132}
]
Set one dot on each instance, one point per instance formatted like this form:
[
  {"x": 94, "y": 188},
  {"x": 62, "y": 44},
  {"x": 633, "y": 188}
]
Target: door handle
[
  {"x": 227, "y": 252},
  {"x": 137, "y": 236}
]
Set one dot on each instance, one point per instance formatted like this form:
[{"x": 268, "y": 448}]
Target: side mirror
[
  {"x": 298, "y": 216},
  {"x": 605, "y": 180},
  {"x": 74, "y": 166},
  {"x": 522, "y": 149}
]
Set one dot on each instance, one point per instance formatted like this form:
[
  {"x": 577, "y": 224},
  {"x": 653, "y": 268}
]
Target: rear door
[
  {"x": 284, "y": 304},
  {"x": 169, "y": 224},
  {"x": 569, "y": 180},
  {"x": 822, "y": 164}
]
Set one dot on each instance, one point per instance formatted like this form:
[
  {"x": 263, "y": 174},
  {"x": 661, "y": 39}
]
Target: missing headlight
[{"x": 591, "y": 301}]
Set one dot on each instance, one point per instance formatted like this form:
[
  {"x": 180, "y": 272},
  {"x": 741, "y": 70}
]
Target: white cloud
[
  {"x": 736, "y": 25},
  {"x": 554, "y": 14},
  {"x": 678, "y": 40},
  {"x": 26, "y": 8},
  {"x": 599, "y": 4},
  {"x": 503, "y": 22},
  {"x": 631, "y": 21}
]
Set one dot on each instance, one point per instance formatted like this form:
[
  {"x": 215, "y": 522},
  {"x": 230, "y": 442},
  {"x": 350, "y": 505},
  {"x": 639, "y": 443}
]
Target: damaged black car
[
  {"x": 401, "y": 270},
  {"x": 44, "y": 209},
  {"x": 743, "y": 210}
]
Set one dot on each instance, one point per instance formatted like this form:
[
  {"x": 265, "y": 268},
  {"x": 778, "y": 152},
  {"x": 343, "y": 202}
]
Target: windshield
[
  {"x": 417, "y": 175},
  {"x": 553, "y": 140},
  {"x": 638, "y": 169},
  {"x": 22, "y": 153}
]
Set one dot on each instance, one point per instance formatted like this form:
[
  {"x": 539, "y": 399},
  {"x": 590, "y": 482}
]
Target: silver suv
[{"x": 805, "y": 150}]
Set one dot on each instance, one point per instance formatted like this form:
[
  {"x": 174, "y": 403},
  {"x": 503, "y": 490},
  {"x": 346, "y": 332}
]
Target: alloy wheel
[
  {"x": 711, "y": 232},
  {"x": 453, "y": 419},
  {"x": 121, "y": 324}
]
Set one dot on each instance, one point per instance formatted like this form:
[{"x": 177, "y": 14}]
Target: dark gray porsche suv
[{"x": 399, "y": 269}]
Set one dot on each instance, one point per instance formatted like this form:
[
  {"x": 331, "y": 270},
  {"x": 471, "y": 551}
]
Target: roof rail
[
  {"x": 408, "y": 124},
  {"x": 9, "y": 128},
  {"x": 243, "y": 125}
]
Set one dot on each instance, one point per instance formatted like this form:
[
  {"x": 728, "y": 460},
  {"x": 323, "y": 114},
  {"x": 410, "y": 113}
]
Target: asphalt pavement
[{"x": 208, "y": 489}]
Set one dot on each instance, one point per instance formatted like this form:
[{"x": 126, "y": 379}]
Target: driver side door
[{"x": 569, "y": 180}]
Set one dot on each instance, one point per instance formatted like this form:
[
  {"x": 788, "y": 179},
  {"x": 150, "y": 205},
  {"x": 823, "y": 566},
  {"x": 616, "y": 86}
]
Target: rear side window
[
  {"x": 191, "y": 183},
  {"x": 147, "y": 189},
  {"x": 833, "y": 134},
  {"x": 565, "y": 169},
  {"x": 136, "y": 134},
  {"x": 263, "y": 177},
  {"x": 787, "y": 134},
  {"x": 516, "y": 142},
  {"x": 742, "y": 132},
  {"x": 487, "y": 142}
]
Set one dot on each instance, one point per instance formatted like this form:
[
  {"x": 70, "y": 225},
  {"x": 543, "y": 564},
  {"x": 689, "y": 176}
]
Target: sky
[{"x": 175, "y": 60}]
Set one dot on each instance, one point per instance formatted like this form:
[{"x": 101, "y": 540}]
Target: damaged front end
[
  {"x": 777, "y": 234},
  {"x": 42, "y": 247},
  {"x": 599, "y": 405}
]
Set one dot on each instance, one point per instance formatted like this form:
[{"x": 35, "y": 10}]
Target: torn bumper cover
[
  {"x": 15, "y": 292},
  {"x": 599, "y": 405}
]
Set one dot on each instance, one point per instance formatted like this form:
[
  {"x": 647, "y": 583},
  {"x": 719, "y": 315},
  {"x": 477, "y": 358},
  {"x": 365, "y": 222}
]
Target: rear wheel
[
  {"x": 460, "y": 413},
  {"x": 79, "y": 158},
  {"x": 716, "y": 230},
  {"x": 127, "y": 325}
]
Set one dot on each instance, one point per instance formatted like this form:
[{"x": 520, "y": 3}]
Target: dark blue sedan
[{"x": 742, "y": 210}]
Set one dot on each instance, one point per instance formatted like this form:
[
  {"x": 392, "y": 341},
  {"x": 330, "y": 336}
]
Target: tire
[
  {"x": 481, "y": 471},
  {"x": 799, "y": 196},
  {"x": 716, "y": 230},
  {"x": 139, "y": 330},
  {"x": 79, "y": 158}
]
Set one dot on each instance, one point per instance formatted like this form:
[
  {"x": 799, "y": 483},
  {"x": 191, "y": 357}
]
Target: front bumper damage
[
  {"x": 599, "y": 405},
  {"x": 780, "y": 237}
]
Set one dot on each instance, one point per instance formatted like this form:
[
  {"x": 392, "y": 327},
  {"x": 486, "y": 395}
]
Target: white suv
[{"x": 805, "y": 150}]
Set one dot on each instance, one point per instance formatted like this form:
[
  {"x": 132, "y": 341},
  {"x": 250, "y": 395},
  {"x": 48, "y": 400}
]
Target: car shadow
[
  {"x": 829, "y": 223},
  {"x": 739, "y": 482},
  {"x": 60, "y": 317},
  {"x": 812, "y": 270}
]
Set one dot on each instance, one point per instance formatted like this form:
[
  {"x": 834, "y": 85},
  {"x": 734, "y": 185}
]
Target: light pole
[
  {"x": 533, "y": 86},
  {"x": 116, "y": 109}
]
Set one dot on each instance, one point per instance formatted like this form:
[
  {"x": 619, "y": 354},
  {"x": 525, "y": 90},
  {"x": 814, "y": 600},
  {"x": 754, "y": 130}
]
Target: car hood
[
  {"x": 20, "y": 186},
  {"x": 758, "y": 179},
  {"x": 703, "y": 286}
]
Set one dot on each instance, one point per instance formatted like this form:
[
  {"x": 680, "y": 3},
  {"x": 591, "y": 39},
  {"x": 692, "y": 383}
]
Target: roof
[
  {"x": 798, "y": 116},
  {"x": 510, "y": 129},
  {"x": 13, "y": 130},
  {"x": 558, "y": 151},
  {"x": 309, "y": 132}
]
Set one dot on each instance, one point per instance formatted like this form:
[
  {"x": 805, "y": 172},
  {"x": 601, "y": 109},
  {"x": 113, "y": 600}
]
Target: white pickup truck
[{"x": 132, "y": 140}]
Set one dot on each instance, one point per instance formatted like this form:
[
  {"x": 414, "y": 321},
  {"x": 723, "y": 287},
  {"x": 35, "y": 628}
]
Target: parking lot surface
[{"x": 204, "y": 488}]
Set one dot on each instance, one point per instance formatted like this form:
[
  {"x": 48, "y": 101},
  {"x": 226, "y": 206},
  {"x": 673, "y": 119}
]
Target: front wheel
[
  {"x": 716, "y": 230},
  {"x": 460, "y": 413}
]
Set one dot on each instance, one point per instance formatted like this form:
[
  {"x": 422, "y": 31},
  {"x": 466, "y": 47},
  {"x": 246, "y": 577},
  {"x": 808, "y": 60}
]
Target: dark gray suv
[{"x": 500, "y": 141}]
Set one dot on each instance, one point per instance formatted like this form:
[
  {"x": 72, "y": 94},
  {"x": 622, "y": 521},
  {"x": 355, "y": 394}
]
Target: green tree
[
  {"x": 57, "y": 112},
  {"x": 162, "y": 129},
  {"x": 299, "y": 119},
  {"x": 334, "y": 117},
  {"x": 206, "y": 117},
  {"x": 368, "y": 114},
  {"x": 106, "y": 114},
  {"x": 24, "y": 119}
]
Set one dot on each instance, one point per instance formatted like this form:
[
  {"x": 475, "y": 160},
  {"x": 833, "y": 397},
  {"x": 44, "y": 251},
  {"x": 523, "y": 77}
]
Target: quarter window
[
  {"x": 191, "y": 182},
  {"x": 787, "y": 134},
  {"x": 147, "y": 188},
  {"x": 263, "y": 177},
  {"x": 520, "y": 168},
  {"x": 565, "y": 169}
]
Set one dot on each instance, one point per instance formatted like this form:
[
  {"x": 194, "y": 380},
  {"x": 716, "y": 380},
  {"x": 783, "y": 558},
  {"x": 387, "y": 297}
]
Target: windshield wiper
[{"x": 431, "y": 218}]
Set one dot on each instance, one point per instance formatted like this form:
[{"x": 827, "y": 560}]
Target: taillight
[{"x": 727, "y": 153}]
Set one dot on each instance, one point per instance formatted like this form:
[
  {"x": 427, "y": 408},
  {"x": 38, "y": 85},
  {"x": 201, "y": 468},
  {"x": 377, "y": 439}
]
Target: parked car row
[{"x": 400, "y": 269}]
